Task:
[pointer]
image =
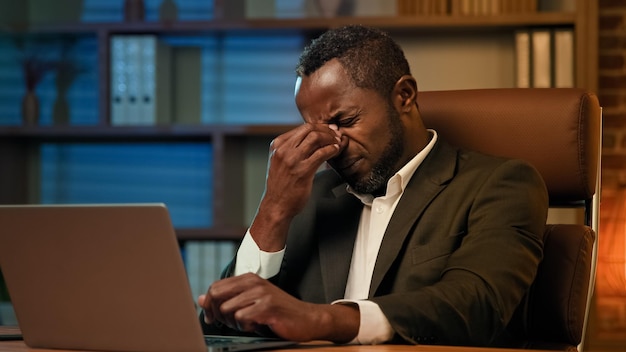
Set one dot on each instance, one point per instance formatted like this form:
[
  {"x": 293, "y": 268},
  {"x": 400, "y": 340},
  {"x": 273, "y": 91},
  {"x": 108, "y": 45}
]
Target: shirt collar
[{"x": 397, "y": 183}]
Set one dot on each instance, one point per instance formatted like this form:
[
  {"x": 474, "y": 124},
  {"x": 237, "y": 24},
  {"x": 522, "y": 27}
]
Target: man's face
[{"x": 374, "y": 130}]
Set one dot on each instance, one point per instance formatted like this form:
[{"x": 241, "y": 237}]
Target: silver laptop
[{"x": 104, "y": 278}]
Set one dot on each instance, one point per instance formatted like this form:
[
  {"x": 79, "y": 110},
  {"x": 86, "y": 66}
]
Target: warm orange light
[{"x": 610, "y": 291}]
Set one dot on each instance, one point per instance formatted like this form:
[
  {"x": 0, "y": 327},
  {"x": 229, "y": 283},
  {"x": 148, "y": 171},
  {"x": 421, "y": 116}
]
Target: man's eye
[{"x": 346, "y": 122}]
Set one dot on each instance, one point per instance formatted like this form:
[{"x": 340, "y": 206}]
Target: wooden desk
[{"x": 20, "y": 346}]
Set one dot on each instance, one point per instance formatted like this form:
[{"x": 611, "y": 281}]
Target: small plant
[
  {"x": 35, "y": 69},
  {"x": 34, "y": 64}
]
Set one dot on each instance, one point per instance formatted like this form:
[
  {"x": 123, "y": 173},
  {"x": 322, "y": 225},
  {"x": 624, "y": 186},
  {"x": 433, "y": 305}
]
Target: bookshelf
[{"x": 238, "y": 149}]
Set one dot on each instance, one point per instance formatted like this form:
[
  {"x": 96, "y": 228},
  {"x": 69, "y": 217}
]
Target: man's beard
[{"x": 375, "y": 182}]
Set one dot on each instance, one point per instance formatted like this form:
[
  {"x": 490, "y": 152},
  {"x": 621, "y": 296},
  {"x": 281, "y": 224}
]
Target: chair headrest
[{"x": 557, "y": 130}]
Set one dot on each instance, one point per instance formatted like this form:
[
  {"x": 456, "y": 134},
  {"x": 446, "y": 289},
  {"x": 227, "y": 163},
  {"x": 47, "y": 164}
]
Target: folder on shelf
[
  {"x": 563, "y": 58},
  {"x": 119, "y": 84},
  {"x": 544, "y": 58},
  {"x": 522, "y": 59},
  {"x": 132, "y": 50},
  {"x": 189, "y": 84},
  {"x": 541, "y": 53},
  {"x": 140, "y": 80},
  {"x": 154, "y": 81}
]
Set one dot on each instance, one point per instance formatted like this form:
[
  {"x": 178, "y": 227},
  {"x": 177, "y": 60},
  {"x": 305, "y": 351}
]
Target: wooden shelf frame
[
  {"x": 19, "y": 145},
  {"x": 389, "y": 23}
]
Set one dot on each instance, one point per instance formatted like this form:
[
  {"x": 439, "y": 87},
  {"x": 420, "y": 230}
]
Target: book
[
  {"x": 509, "y": 6},
  {"x": 481, "y": 7},
  {"x": 495, "y": 7},
  {"x": 465, "y": 7},
  {"x": 441, "y": 7},
  {"x": 558, "y": 6}
]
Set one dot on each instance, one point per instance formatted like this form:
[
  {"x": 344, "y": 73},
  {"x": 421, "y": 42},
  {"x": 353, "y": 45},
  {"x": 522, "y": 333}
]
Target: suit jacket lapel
[
  {"x": 429, "y": 179},
  {"x": 337, "y": 234}
]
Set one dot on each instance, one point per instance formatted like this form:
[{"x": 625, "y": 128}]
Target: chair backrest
[{"x": 558, "y": 131}]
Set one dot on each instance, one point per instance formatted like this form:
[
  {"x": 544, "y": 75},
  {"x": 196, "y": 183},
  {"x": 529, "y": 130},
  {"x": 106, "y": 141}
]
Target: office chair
[{"x": 558, "y": 130}]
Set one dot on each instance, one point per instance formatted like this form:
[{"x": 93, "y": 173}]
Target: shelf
[
  {"x": 393, "y": 24},
  {"x": 224, "y": 233},
  {"x": 142, "y": 133}
]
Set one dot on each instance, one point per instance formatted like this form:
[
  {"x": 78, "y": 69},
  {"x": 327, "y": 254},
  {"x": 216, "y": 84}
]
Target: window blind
[
  {"x": 113, "y": 10},
  {"x": 177, "y": 174}
]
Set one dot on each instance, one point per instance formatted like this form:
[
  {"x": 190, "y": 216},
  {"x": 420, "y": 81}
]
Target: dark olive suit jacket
[{"x": 459, "y": 253}]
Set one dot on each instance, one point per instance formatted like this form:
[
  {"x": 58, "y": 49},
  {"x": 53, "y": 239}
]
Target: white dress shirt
[{"x": 374, "y": 327}]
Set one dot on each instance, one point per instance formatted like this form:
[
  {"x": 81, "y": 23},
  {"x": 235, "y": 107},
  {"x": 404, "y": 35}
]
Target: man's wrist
[
  {"x": 340, "y": 322},
  {"x": 269, "y": 232},
  {"x": 374, "y": 328}
]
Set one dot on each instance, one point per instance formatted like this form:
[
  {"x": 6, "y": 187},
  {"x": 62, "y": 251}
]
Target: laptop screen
[{"x": 98, "y": 277}]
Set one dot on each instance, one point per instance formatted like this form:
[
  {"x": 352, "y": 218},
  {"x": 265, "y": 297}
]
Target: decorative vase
[{"x": 30, "y": 108}]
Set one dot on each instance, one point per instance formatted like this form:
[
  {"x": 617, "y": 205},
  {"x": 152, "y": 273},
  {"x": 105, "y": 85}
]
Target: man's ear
[{"x": 404, "y": 94}]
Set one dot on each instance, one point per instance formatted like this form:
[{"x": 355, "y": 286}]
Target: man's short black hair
[{"x": 370, "y": 57}]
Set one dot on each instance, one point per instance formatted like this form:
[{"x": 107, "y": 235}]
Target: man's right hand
[
  {"x": 249, "y": 303},
  {"x": 294, "y": 159}
]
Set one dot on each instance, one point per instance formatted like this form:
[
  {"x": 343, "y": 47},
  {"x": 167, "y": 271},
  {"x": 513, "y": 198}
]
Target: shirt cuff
[
  {"x": 374, "y": 328},
  {"x": 251, "y": 259}
]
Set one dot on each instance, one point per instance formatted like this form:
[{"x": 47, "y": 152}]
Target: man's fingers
[
  {"x": 201, "y": 301},
  {"x": 224, "y": 298},
  {"x": 208, "y": 314},
  {"x": 306, "y": 139}
]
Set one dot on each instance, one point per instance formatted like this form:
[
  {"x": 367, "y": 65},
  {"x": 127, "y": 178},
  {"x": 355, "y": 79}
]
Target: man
[{"x": 406, "y": 239}]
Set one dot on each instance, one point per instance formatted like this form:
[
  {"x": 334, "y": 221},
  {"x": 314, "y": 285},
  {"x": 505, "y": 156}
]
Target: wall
[
  {"x": 607, "y": 331},
  {"x": 612, "y": 89}
]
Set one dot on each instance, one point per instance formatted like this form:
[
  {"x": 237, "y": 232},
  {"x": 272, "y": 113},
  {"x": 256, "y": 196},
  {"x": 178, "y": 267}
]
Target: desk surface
[{"x": 19, "y": 346}]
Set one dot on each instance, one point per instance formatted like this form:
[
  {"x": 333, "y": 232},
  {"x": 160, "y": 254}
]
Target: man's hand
[
  {"x": 294, "y": 159},
  {"x": 247, "y": 302}
]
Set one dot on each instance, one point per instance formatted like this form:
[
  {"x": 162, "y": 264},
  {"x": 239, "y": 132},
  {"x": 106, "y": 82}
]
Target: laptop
[{"x": 103, "y": 278}]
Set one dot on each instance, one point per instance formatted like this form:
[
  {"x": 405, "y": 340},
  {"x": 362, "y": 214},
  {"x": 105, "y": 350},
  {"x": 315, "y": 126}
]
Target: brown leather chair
[{"x": 558, "y": 130}]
